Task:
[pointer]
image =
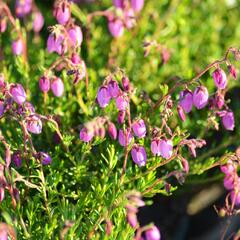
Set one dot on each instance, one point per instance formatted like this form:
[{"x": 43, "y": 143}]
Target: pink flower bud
[
  {"x": 153, "y": 233},
  {"x": 17, "y": 47},
  {"x": 45, "y": 158},
  {"x": 2, "y": 195},
  {"x": 235, "y": 197},
  {"x": 3, "y": 25},
  {"x": 126, "y": 83},
  {"x": 118, "y": 3},
  {"x": 18, "y": 93},
  {"x": 228, "y": 168},
  {"x": 137, "y": 5},
  {"x": 75, "y": 58},
  {"x": 181, "y": 113},
  {"x": 56, "y": 44},
  {"x": 86, "y": 135},
  {"x": 113, "y": 88},
  {"x": 38, "y": 21},
  {"x": 103, "y": 96},
  {"x": 62, "y": 13},
  {"x": 125, "y": 137},
  {"x": 139, "y": 155},
  {"x": 112, "y": 131},
  {"x": 34, "y": 125},
  {"x": 185, "y": 165},
  {"x": 23, "y": 7},
  {"x": 232, "y": 70},
  {"x": 228, "y": 121},
  {"x": 219, "y": 100},
  {"x": 228, "y": 182},
  {"x": 44, "y": 84},
  {"x": 186, "y": 100},
  {"x": 132, "y": 219},
  {"x": 166, "y": 148},
  {"x": 116, "y": 28},
  {"x": 121, "y": 117},
  {"x": 76, "y": 36},
  {"x": 57, "y": 87},
  {"x": 122, "y": 102},
  {"x": 155, "y": 147},
  {"x": 139, "y": 128},
  {"x": 17, "y": 159},
  {"x": 220, "y": 78},
  {"x": 200, "y": 97}
]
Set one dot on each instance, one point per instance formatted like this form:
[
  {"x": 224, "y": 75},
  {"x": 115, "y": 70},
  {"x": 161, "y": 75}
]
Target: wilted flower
[
  {"x": 17, "y": 47},
  {"x": 186, "y": 100},
  {"x": 200, "y": 97},
  {"x": 38, "y": 21},
  {"x": 219, "y": 100},
  {"x": 139, "y": 155},
  {"x": 17, "y": 159},
  {"x": 103, "y": 96},
  {"x": 86, "y": 135},
  {"x": 153, "y": 233},
  {"x": 124, "y": 137},
  {"x": 57, "y": 87},
  {"x": 220, "y": 78},
  {"x": 18, "y": 93},
  {"x": 139, "y": 128},
  {"x": 34, "y": 124}
]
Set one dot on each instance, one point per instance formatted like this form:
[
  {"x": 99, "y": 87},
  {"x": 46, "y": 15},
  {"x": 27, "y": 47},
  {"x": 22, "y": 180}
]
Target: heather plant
[{"x": 106, "y": 104}]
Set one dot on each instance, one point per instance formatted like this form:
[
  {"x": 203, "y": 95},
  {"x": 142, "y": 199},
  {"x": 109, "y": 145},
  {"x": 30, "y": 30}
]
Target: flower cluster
[
  {"x": 123, "y": 16},
  {"x": 232, "y": 181},
  {"x": 200, "y": 98},
  {"x": 150, "y": 232},
  {"x": 65, "y": 39}
]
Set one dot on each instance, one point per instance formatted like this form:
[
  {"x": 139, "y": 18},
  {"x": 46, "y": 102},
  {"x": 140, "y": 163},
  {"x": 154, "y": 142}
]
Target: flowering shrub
[{"x": 96, "y": 122}]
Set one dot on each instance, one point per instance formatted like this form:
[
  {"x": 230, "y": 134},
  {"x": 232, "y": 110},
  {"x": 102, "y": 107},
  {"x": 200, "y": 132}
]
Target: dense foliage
[{"x": 120, "y": 108}]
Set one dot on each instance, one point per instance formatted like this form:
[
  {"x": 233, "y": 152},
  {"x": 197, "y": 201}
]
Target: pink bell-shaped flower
[
  {"x": 228, "y": 120},
  {"x": 125, "y": 137},
  {"x": 200, "y": 97},
  {"x": 76, "y": 36},
  {"x": 34, "y": 124},
  {"x": 220, "y": 78},
  {"x": 166, "y": 148},
  {"x": 86, "y": 135},
  {"x": 139, "y": 155},
  {"x": 103, "y": 96},
  {"x": 44, "y": 84},
  {"x": 17, "y": 47},
  {"x": 153, "y": 233},
  {"x": 38, "y": 21},
  {"x": 18, "y": 93},
  {"x": 57, "y": 87},
  {"x": 186, "y": 100},
  {"x": 139, "y": 128},
  {"x": 113, "y": 88},
  {"x": 116, "y": 27},
  {"x": 137, "y": 5}
]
